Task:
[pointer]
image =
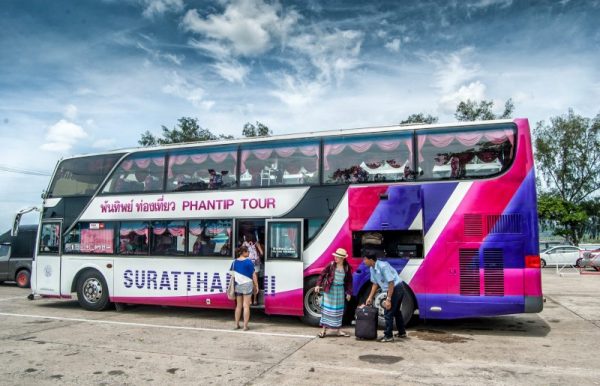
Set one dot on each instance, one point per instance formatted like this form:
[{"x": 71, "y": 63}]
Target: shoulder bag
[{"x": 231, "y": 285}]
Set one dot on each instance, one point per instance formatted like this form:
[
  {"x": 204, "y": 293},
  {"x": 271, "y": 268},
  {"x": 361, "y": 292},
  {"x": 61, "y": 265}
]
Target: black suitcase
[{"x": 366, "y": 323}]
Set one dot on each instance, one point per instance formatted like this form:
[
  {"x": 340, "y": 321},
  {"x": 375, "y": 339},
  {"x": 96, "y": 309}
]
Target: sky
[{"x": 86, "y": 76}]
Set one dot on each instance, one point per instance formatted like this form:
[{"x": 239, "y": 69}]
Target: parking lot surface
[{"x": 56, "y": 342}]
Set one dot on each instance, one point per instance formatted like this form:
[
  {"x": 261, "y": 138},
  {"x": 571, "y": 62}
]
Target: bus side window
[
  {"x": 465, "y": 153},
  {"x": 133, "y": 238},
  {"x": 139, "y": 173}
]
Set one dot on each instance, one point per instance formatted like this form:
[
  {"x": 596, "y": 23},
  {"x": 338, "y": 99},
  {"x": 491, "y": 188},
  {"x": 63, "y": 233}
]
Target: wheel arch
[{"x": 86, "y": 268}]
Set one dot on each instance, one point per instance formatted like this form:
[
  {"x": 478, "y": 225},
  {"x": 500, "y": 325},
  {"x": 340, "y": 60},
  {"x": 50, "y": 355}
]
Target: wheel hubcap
[
  {"x": 312, "y": 303},
  {"x": 21, "y": 279},
  {"x": 92, "y": 290}
]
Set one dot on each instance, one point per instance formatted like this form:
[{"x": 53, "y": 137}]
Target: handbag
[{"x": 231, "y": 285}]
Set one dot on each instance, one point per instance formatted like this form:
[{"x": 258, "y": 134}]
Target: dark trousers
[{"x": 394, "y": 312}]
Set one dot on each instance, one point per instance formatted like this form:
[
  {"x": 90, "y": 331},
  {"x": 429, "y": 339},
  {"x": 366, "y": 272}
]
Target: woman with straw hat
[{"x": 336, "y": 283}]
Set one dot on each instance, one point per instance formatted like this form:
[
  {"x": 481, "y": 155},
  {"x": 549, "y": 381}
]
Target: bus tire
[
  {"x": 311, "y": 302},
  {"x": 92, "y": 291},
  {"x": 23, "y": 278},
  {"x": 407, "y": 307}
]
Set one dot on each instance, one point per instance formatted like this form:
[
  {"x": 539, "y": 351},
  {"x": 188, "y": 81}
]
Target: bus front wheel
[
  {"x": 92, "y": 291},
  {"x": 312, "y": 302}
]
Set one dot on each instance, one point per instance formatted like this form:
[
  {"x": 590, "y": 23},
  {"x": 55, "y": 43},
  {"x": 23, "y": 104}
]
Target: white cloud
[
  {"x": 158, "y": 7},
  {"x": 452, "y": 71},
  {"x": 474, "y": 91},
  {"x": 62, "y": 136},
  {"x": 183, "y": 88},
  {"x": 246, "y": 27},
  {"x": 232, "y": 72},
  {"x": 331, "y": 53},
  {"x": 70, "y": 112},
  {"x": 489, "y": 3},
  {"x": 393, "y": 46},
  {"x": 297, "y": 93},
  {"x": 158, "y": 55}
]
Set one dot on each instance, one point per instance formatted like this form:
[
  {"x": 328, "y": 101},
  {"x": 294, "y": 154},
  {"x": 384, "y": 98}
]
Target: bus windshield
[{"x": 81, "y": 176}]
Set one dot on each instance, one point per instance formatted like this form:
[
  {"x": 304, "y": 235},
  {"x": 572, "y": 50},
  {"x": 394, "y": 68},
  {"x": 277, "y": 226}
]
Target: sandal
[
  {"x": 322, "y": 334},
  {"x": 236, "y": 327}
]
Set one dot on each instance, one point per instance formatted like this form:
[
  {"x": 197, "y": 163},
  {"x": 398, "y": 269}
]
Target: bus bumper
[{"x": 534, "y": 304}]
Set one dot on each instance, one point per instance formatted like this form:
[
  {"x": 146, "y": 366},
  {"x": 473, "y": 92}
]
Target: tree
[
  {"x": 568, "y": 155},
  {"x": 420, "y": 118},
  {"x": 568, "y": 160},
  {"x": 482, "y": 111},
  {"x": 186, "y": 130},
  {"x": 564, "y": 218},
  {"x": 259, "y": 130}
]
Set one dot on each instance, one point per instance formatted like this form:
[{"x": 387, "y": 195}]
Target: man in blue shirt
[{"x": 384, "y": 276}]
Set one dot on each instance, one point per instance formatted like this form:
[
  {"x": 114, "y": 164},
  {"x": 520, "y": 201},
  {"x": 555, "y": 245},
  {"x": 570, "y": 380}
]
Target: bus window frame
[
  {"x": 198, "y": 257},
  {"x": 126, "y": 157},
  {"x": 458, "y": 129}
]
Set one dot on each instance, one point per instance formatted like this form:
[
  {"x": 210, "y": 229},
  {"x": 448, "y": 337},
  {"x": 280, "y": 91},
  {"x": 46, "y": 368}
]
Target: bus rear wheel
[
  {"x": 92, "y": 291},
  {"x": 23, "y": 278},
  {"x": 312, "y": 302},
  {"x": 407, "y": 307}
]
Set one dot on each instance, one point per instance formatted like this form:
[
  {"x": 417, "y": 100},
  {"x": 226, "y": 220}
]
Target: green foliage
[
  {"x": 186, "y": 130},
  {"x": 259, "y": 130},
  {"x": 568, "y": 161},
  {"x": 564, "y": 218},
  {"x": 420, "y": 118},
  {"x": 568, "y": 155},
  {"x": 482, "y": 111}
]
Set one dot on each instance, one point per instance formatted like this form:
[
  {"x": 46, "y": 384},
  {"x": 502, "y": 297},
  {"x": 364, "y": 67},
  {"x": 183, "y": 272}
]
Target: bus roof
[{"x": 304, "y": 135}]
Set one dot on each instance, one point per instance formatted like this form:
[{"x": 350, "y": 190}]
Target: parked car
[
  {"x": 561, "y": 255},
  {"x": 16, "y": 254},
  {"x": 545, "y": 245},
  {"x": 591, "y": 259}
]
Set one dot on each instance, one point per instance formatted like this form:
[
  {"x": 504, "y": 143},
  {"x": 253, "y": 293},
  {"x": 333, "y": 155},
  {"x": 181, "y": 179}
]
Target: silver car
[{"x": 560, "y": 255}]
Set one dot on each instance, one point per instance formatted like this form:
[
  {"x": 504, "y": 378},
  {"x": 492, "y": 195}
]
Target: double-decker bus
[{"x": 451, "y": 207}]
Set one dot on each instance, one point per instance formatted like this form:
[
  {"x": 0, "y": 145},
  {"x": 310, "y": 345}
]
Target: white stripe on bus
[
  {"x": 158, "y": 326},
  {"x": 445, "y": 214},
  {"x": 332, "y": 228}
]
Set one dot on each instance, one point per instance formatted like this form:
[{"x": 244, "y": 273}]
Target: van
[{"x": 16, "y": 254}]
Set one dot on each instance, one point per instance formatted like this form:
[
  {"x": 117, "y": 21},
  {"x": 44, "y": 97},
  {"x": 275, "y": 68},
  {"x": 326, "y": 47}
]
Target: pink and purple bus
[{"x": 451, "y": 207}]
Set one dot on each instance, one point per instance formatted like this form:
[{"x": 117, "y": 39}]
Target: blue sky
[{"x": 85, "y": 76}]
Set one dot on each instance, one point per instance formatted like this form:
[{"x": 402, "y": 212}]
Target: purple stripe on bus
[
  {"x": 362, "y": 275},
  {"x": 456, "y": 306},
  {"x": 396, "y": 211},
  {"x": 515, "y": 246},
  {"x": 435, "y": 196}
]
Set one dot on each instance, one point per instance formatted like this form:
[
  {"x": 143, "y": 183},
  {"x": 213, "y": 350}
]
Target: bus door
[
  {"x": 284, "y": 281},
  {"x": 47, "y": 262}
]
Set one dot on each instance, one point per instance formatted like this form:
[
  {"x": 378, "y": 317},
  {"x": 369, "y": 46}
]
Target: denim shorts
[{"x": 244, "y": 289}]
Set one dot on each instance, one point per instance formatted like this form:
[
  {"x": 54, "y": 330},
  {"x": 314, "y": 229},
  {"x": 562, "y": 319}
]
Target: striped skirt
[{"x": 332, "y": 306}]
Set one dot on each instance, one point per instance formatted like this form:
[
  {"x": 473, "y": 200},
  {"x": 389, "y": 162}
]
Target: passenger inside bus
[{"x": 216, "y": 180}]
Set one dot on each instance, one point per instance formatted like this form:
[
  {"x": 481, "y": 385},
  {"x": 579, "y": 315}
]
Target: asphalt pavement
[{"x": 56, "y": 342}]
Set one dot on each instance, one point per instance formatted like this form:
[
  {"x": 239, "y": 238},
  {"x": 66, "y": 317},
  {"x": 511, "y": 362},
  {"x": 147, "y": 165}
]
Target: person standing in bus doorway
[
  {"x": 246, "y": 284},
  {"x": 384, "y": 276},
  {"x": 336, "y": 283},
  {"x": 255, "y": 253}
]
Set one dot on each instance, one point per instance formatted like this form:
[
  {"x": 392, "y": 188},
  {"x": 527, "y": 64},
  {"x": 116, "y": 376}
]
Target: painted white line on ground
[
  {"x": 158, "y": 326},
  {"x": 13, "y": 298}
]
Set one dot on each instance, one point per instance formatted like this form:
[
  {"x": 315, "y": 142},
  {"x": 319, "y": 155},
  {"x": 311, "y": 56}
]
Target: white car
[{"x": 561, "y": 255}]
